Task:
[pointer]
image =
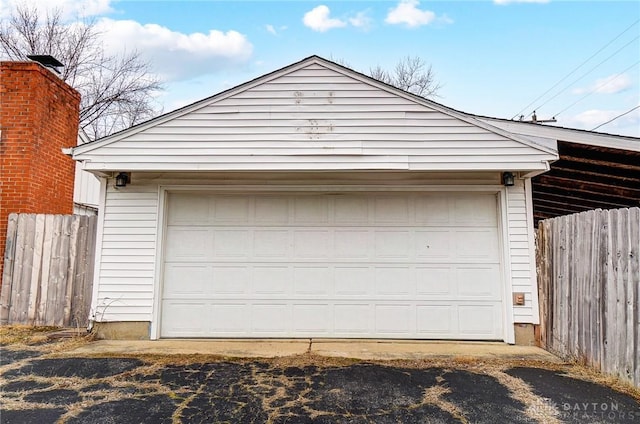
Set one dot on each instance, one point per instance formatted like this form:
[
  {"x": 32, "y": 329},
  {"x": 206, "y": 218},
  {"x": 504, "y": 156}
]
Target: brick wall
[{"x": 38, "y": 117}]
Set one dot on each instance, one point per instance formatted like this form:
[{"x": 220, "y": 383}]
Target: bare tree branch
[
  {"x": 411, "y": 74},
  {"x": 117, "y": 90}
]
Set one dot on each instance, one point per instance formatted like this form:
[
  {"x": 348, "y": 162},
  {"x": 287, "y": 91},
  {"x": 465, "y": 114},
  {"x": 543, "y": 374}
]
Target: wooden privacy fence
[
  {"x": 589, "y": 278},
  {"x": 48, "y": 270}
]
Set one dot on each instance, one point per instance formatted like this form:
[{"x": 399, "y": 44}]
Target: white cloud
[
  {"x": 407, "y": 12},
  {"x": 273, "y": 30},
  {"x": 628, "y": 124},
  {"x": 175, "y": 55},
  {"x": 505, "y": 2},
  {"x": 612, "y": 84},
  {"x": 361, "y": 20},
  {"x": 318, "y": 19},
  {"x": 70, "y": 9}
]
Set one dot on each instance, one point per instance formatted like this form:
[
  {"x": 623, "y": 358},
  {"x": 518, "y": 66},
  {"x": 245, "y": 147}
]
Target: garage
[
  {"x": 410, "y": 265},
  {"x": 315, "y": 201}
]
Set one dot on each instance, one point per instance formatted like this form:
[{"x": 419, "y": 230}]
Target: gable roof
[{"x": 315, "y": 114}]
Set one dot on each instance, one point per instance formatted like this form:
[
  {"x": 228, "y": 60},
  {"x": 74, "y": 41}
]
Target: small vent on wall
[{"x": 47, "y": 61}]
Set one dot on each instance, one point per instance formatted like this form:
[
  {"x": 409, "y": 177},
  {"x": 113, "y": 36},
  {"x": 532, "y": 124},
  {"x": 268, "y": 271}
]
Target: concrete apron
[{"x": 357, "y": 349}]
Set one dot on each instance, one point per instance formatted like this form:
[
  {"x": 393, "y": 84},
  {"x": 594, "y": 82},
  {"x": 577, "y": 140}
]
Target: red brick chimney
[{"x": 38, "y": 117}]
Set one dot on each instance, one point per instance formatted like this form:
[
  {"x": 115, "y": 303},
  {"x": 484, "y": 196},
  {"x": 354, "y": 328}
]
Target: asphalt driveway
[{"x": 41, "y": 386}]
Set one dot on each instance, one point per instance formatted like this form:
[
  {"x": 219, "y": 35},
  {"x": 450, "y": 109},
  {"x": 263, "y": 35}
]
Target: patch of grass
[
  {"x": 45, "y": 339},
  {"x": 24, "y": 334}
]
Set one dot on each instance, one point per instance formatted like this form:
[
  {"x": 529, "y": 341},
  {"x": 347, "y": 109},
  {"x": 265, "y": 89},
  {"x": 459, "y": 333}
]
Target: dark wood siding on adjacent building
[{"x": 587, "y": 177}]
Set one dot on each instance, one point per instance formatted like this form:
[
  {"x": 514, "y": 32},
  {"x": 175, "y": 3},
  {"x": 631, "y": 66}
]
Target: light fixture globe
[{"x": 508, "y": 179}]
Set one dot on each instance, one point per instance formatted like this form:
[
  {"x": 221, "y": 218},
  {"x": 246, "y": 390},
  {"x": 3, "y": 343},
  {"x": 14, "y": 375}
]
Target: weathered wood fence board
[
  {"x": 589, "y": 282},
  {"x": 48, "y": 270}
]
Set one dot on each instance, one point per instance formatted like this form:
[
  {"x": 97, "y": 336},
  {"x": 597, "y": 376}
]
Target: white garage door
[{"x": 332, "y": 265}]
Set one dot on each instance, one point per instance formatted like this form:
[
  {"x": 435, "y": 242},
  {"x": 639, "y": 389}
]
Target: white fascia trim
[
  {"x": 538, "y": 172},
  {"x": 373, "y": 166}
]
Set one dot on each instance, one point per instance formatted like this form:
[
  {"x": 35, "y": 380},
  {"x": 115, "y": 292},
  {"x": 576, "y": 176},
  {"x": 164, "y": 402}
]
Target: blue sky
[{"x": 492, "y": 58}]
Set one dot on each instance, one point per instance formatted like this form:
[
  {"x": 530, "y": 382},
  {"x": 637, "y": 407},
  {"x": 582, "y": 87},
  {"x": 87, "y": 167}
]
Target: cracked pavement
[{"x": 39, "y": 386}]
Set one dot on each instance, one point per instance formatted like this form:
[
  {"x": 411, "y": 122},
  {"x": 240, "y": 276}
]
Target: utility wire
[
  {"x": 576, "y": 69},
  {"x": 604, "y": 84},
  {"x": 589, "y": 71},
  {"x": 613, "y": 119}
]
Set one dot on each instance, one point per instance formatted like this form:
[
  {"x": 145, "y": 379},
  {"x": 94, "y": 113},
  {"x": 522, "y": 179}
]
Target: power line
[
  {"x": 576, "y": 68},
  {"x": 589, "y": 71},
  {"x": 613, "y": 119},
  {"x": 604, "y": 84}
]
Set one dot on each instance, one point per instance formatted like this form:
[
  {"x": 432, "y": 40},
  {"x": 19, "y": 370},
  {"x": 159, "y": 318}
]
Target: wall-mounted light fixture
[
  {"x": 122, "y": 179},
  {"x": 508, "y": 179}
]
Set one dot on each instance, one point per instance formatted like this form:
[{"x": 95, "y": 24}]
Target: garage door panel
[
  {"x": 351, "y": 244},
  {"x": 352, "y": 281},
  {"x": 193, "y": 280},
  {"x": 391, "y": 210},
  {"x": 436, "y": 320},
  {"x": 391, "y": 282},
  {"x": 392, "y": 244},
  {"x": 310, "y": 210},
  {"x": 270, "y": 210},
  {"x": 271, "y": 280},
  {"x": 230, "y": 318},
  {"x": 271, "y": 319},
  {"x": 394, "y": 320},
  {"x": 434, "y": 244},
  {"x": 231, "y": 243},
  {"x": 197, "y": 249},
  {"x": 432, "y": 210},
  {"x": 351, "y": 265},
  {"x": 476, "y": 244},
  {"x": 312, "y": 281},
  {"x": 435, "y": 282},
  {"x": 475, "y": 210},
  {"x": 185, "y": 319},
  {"x": 353, "y": 320},
  {"x": 229, "y": 280},
  {"x": 479, "y": 320},
  {"x": 271, "y": 244},
  {"x": 231, "y": 210},
  {"x": 476, "y": 282},
  {"x": 312, "y": 319},
  {"x": 188, "y": 209},
  {"x": 311, "y": 244},
  {"x": 349, "y": 210}
]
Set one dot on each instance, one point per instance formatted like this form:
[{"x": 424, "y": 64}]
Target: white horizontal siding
[
  {"x": 86, "y": 189},
  {"x": 128, "y": 250},
  {"x": 319, "y": 119},
  {"x": 519, "y": 254}
]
